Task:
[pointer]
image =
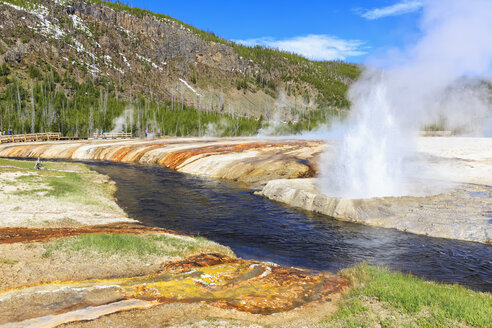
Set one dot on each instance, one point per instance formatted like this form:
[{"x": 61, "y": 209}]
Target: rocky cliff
[{"x": 141, "y": 53}]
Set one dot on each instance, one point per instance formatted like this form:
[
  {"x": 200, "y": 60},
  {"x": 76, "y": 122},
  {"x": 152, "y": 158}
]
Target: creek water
[{"x": 257, "y": 228}]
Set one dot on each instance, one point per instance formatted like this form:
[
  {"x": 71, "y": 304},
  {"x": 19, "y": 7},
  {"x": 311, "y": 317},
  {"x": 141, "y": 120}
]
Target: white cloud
[
  {"x": 313, "y": 46},
  {"x": 400, "y": 8}
]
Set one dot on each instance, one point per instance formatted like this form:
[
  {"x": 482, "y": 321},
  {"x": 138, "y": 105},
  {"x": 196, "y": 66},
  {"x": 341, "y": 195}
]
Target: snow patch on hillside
[
  {"x": 45, "y": 26},
  {"x": 148, "y": 60},
  {"x": 78, "y": 23},
  {"x": 190, "y": 87},
  {"x": 125, "y": 60}
]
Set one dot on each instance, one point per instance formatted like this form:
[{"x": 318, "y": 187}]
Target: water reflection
[{"x": 256, "y": 228}]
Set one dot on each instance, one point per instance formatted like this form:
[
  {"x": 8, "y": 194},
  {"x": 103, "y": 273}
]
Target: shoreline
[
  {"x": 62, "y": 271},
  {"x": 456, "y": 214},
  {"x": 247, "y": 160},
  {"x": 283, "y": 169},
  {"x": 96, "y": 299}
]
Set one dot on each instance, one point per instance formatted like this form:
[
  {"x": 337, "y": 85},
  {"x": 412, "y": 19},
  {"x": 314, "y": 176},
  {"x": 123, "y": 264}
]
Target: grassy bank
[
  {"x": 70, "y": 195},
  {"x": 60, "y": 195},
  {"x": 62, "y": 182},
  {"x": 123, "y": 245},
  {"x": 381, "y": 298}
]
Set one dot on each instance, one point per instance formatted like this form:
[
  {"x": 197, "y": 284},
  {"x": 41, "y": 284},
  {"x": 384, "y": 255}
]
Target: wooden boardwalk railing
[
  {"x": 48, "y": 136},
  {"x": 30, "y": 137},
  {"x": 112, "y": 135}
]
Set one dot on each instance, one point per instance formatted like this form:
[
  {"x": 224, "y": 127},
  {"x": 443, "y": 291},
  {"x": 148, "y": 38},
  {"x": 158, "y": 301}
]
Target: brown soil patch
[
  {"x": 27, "y": 235},
  {"x": 199, "y": 315}
]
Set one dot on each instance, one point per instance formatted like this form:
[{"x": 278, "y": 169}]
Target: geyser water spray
[
  {"x": 370, "y": 150},
  {"x": 441, "y": 77}
]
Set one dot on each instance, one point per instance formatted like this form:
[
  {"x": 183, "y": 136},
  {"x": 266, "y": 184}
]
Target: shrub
[{"x": 4, "y": 70}]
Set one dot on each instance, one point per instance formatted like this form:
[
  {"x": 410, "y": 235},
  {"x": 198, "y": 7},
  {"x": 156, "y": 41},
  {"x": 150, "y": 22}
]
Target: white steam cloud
[
  {"x": 439, "y": 79},
  {"x": 124, "y": 121}
]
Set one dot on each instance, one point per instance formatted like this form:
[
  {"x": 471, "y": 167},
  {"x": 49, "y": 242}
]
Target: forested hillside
[{"x": 78, "y": 66}]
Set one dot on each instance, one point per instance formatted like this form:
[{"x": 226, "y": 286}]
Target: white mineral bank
[{"x": 463, "y": 211}]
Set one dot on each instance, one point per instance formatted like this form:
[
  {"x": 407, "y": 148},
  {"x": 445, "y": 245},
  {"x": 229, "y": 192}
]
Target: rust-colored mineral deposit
[
  {"x": 215, "y": 279},
  {"x": 26, "y": 235}
]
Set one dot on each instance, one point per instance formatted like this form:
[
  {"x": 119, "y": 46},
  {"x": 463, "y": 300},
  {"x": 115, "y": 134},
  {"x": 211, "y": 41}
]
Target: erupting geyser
[{"x": 442, "y": 78}]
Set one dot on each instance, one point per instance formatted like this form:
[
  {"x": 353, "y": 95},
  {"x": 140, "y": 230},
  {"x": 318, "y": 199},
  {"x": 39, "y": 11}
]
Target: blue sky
[{"x": 321, "y": 30}]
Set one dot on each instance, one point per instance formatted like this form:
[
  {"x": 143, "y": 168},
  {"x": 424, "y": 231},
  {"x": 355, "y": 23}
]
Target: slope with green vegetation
[
  {"x": 77, "y": 66},
  {"x": 381, "y": 298},
  {"x": 122, "y": 245}
]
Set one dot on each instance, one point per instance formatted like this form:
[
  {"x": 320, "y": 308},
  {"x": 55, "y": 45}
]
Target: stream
[{"x": 257, "y": 228}]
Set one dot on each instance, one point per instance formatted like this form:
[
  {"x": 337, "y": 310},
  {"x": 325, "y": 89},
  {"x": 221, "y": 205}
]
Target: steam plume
[
  {"x": 124, "y": 121},
  {"x": 438, "y": 79}
]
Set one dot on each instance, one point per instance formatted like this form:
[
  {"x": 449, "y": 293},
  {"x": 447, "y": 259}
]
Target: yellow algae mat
[{"x": 215, "y": 279}]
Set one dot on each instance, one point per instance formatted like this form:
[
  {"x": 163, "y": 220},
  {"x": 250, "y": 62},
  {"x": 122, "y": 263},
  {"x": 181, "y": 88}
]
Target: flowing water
[{"x": 256, "y": 228}]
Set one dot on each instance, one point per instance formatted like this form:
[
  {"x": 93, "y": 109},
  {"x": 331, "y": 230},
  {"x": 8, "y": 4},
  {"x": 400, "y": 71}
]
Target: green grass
[
  {"x": 134, "y": 245},
  {"x": 31, "y": 192},
  {"x": 380, "y": 297},
  {"x": 57, "y": 184},
  {"x": 7, "y": 261},
  {"x": 29, "y": 178},
  {"x": 19, "y": 164},
  {"x": 70, "y": 183},
  {"x": 81, "y": 186},
  {"x": 29, "y": 165}
]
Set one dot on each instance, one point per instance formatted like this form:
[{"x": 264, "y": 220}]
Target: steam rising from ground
[
  {"x": 123, "y": 122},
  {"x": 439, "y": 80}
]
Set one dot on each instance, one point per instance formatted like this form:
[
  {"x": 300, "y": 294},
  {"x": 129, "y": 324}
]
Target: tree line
[{"x": 45, "y": 101}]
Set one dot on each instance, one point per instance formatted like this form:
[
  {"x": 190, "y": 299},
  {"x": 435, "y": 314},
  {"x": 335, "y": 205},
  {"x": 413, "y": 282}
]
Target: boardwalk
[
  {"x": 112, "y": 136},
  {"x": 30, "y": 137},
  {"x": 49, "y": 136}
]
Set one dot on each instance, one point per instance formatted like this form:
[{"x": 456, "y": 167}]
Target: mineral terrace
[
  {"x": 51, "y": 273},
  {"x": 283, "y": 170}
]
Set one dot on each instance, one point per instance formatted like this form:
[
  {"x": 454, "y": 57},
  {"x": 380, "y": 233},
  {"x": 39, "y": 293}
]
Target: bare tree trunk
[
  {"x": 33, "y": 112},
  {"x": 105, "y": 102},
  {"x": 221, "y": 100},
  {"x": 76, "y": 126},
  {"x": 19, "y": 104},
  {"x": 138, "y": 121},
  {"x": 199, "y": 125},
  {"x": 91, "y": 122}
]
